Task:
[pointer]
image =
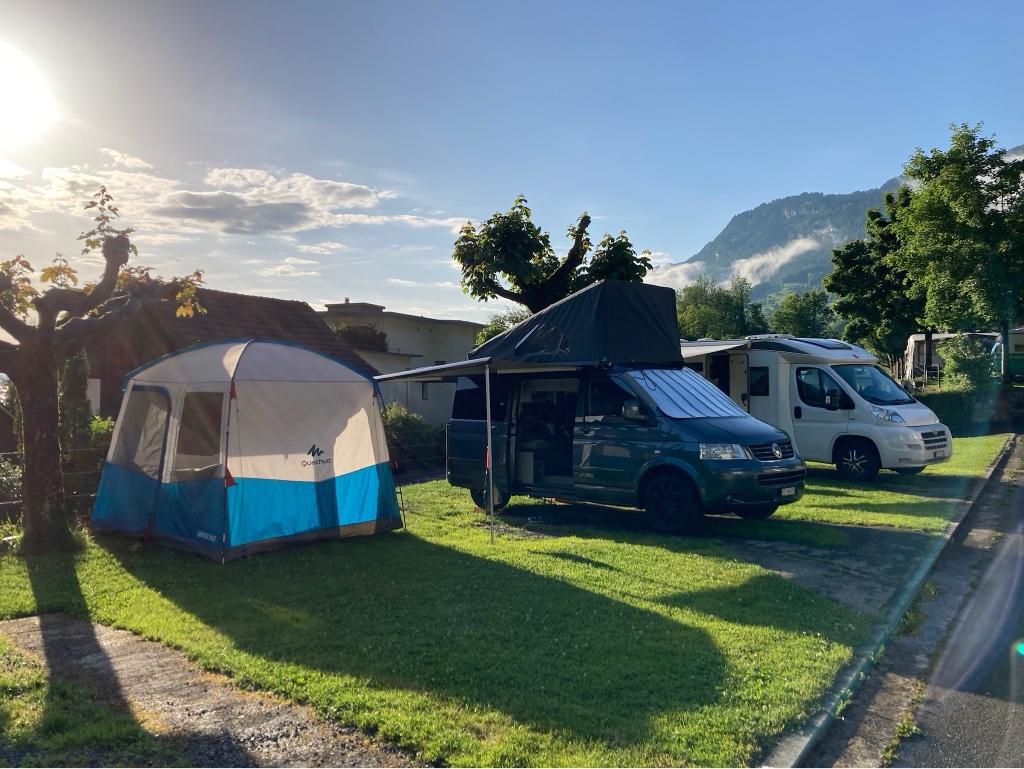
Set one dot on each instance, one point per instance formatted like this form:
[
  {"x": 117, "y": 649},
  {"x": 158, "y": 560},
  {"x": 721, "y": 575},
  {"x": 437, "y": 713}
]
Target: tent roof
[
  {"x": 244, "y": 360},
  {"x": 611, "y": 321}
]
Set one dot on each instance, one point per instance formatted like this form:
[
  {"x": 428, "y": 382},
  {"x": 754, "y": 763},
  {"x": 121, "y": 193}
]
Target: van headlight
[
  {"x": 722, "y": 451},
  {"x": 886, "y": 415}
]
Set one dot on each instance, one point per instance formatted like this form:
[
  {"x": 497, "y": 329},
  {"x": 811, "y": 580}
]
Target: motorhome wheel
[
  {"x": 857, "y": 460},
  {"x": 480, "y": 499},
  {"x": 672, "y": 505}
]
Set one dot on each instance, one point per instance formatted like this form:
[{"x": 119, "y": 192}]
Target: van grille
[
  {"x": 765, "y": 454},
  {"x": 782, "y": 479},
  {"x": 935, "y": 439}
]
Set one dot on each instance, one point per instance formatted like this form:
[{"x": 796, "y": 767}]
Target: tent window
[
  {"x": 198, "y": 452},
  {"x": 140, "y": 440}
]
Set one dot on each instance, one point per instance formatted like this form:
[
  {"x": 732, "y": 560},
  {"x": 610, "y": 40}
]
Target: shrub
[
  {"x": 967, "y": 362},
  {"x": 101, "y": 429},
  {"x": 415, "y": 446}
]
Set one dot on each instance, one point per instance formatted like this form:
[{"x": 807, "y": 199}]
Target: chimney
[{"x": 346, "y": 300}]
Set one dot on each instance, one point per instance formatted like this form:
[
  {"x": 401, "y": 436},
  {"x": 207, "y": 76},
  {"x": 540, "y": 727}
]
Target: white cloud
[
  {"x": 759, "y": 267},
  {"x": 323, "y": 248},
  {"x": 124, "y": 160},
  {"x": 11, "y": 170},
  {"x": 287, "y": 271},
  {"x": 299, "y": 260},
  {"x": 402, "y": 282},
  {"x": 675, "y": 275},
  {"x": 660, "y": 258}
]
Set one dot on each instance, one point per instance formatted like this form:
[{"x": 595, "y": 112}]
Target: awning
[
  {"x": 698, "y": 349},
  {"x": 449, "y": 372}
]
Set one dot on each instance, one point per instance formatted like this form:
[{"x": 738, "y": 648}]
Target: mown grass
[
  {"x": 60, "y": 723},
  {"x": 597, "y": 646},
  {"x": 923, "y": 502}
]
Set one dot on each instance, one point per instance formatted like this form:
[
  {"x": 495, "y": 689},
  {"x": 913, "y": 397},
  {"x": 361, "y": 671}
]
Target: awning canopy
[
  {"x": 449, "y": 372},
  {"x": 697, "y": 349}
]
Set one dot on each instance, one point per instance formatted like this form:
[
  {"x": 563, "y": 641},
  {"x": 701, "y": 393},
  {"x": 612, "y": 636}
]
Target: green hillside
[{"x": 784, "y": 245}]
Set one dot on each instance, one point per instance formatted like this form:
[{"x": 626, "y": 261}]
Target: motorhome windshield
[
  {"x": 684, "y": 394},
  {"x": 873, "y": 385}
]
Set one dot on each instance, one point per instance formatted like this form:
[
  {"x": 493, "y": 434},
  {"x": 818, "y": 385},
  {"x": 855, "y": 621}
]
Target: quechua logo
[{"x": 317, "y": 455}]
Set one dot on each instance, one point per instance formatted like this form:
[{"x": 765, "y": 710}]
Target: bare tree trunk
[{"x": 45, "y": 513}]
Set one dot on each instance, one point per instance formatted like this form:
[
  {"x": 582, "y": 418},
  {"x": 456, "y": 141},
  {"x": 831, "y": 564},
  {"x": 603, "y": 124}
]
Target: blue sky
[{"x": 323, "y": 150}]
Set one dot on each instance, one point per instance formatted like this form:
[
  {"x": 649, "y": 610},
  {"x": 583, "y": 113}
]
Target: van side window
[
  {"x": 469, "y": 398},
  {"x": 759, "y": 380},
  {"x": 605, "y": 398},
  {"x": 812, "y": 384}
]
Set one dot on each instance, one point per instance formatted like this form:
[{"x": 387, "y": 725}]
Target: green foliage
[
  {"x": 708, "y": 310},
  {"x": 968, "y": 363},
  {"x": 415, "y": 445},
  {"x": 101, "y": 429},
  {"x": 59, "y": 272},
  {"x": 614, "y": 258},
  {"x": 16, "y": 290},
  {"x": 75, "y": 413},
  {"x": 362, "y": 337},
  {"x": 500, "y": 322},
  {"x": 805, "y": 314},
  {"x": 962, "y": 232},
  {"x": 508, "y": 256}
]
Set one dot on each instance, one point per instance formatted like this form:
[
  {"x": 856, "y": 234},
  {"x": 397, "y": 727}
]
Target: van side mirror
[
  {"x": 631, "y": 410},
  {"x": 832, "y": 398}
]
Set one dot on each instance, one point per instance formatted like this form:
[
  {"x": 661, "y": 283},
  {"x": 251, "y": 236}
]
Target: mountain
[{"x": 785, "y": 245}]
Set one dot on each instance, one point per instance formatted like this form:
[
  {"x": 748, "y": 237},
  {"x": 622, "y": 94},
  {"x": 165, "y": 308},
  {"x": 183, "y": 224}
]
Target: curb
[{"x": 793, "y": 748}]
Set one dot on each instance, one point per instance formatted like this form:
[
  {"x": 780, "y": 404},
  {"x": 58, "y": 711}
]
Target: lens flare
[{"x": 28, "y": 105}]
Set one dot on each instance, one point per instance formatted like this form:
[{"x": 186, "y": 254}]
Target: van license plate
[
  {"x": 937, "y": 454},
  {"x": 789, "y": 491}
]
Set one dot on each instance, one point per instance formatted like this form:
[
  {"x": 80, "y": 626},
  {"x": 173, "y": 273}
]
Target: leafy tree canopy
[
  {"x": 708, "y": 310},
  {"x": 500, "y": 322},
  {"x": 508, "y": 256},
  {"x": 804, "y": 314}
]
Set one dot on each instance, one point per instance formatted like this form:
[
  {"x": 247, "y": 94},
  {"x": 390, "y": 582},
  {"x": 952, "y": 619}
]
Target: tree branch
[
  {"x": 72, "y": 337},
  {"x": 10, "y": 322},
  {"x": 77, "y": 302},
  {"x": 575, "y": 256},
  {"x": 8, "y": 359},
  {"x": 505, "y": 293}
]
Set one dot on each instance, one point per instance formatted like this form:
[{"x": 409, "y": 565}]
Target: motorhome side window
[
  {"x": 469, "y": 399},
  {"x": 605, "y": 400},
  {"x": 812, "y": 384},
  {"x": 759, "y": 380}
]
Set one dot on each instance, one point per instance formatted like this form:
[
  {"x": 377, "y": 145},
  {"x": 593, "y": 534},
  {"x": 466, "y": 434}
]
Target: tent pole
[{"x": 490, "y": 456}]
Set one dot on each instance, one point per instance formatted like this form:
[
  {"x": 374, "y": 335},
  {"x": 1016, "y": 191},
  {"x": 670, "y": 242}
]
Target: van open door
[
  {"x": 466, "y": 438},
  {"x": 739, "y": 382}
]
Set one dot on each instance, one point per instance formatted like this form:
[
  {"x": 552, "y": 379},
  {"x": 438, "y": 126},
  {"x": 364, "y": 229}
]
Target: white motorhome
[{"x": 836, "y": 404}]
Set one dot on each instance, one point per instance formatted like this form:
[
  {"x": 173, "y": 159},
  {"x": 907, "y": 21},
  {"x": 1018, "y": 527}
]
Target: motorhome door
[
  {"x": 739, "y": 388},
  {"x": 815, "y": 425}
]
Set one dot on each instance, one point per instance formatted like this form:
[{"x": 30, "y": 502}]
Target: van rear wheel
[
  {"x": 857, "y": 460},
  {"x": 672, "y": 505},
  {"x": 480, "y": 499}
]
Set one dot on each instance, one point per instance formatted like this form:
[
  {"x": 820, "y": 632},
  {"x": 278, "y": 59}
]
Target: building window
[{"x": 424, "y": 391}]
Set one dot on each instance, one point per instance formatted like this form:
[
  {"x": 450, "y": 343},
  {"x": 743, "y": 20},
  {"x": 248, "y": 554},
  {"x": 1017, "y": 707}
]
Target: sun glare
[{"x": 27, "y": 106}]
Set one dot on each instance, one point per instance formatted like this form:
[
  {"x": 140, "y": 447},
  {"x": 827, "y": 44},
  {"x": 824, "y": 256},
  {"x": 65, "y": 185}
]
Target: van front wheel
[
  {"x": 672, "y": 505},
  {"x": 480, "y": 499},
  {"x": 857, "y": 460}
]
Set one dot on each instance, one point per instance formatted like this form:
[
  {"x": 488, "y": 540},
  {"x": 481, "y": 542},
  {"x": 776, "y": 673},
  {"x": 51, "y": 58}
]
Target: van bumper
[
  {"x": 750, "y": 483},
  {"x": 915, "y": 446}
]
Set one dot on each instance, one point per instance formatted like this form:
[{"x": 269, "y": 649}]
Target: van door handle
[{"x": 797, "y": 412}]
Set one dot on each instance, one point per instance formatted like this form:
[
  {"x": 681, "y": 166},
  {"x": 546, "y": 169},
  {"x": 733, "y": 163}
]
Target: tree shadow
[
  {"x": 402, "y": 613},
  {"x": 73, "y": 652},
  {"x": 828, "y": 480}
]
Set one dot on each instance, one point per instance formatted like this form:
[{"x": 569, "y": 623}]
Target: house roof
[
  {"x": 229, "y": 315},
  {"x": 365, "y": 310}
]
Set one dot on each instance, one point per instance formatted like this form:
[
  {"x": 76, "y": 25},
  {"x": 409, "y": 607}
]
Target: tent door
[{"x": 140, "y": 447}]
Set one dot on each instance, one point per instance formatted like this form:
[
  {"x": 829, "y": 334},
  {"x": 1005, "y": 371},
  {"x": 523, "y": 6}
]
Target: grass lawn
[
  {"x": 566, "y": 642},
  {"x": 923, "y": 502},
  {"x": 58, "y": 723}
]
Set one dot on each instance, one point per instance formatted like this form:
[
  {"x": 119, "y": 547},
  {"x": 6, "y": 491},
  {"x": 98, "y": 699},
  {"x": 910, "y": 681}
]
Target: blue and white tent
[{"x": 231, "y": 447}]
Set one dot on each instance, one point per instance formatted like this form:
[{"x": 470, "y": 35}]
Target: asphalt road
[{"x": 972, "y": 711}]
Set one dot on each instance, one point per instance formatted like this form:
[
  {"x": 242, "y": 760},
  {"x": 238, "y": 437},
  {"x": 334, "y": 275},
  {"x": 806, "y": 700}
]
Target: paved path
[
  {"x": 972, "y": 712},
  {"x": 215, "y": 723}
]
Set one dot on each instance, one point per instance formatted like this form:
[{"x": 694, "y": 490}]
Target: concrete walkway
[{"x": 214, "y": 723}]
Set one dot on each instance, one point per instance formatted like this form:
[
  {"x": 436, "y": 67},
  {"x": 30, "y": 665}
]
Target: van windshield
[
  {"x": 684, "y": 394},
  {"x": 873, "y": 385}
]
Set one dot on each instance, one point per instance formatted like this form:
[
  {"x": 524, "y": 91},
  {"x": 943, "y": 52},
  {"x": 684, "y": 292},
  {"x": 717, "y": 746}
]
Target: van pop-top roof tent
[
  {"x": 611, "y": 322},
  {"x": 230, "y": 447}
]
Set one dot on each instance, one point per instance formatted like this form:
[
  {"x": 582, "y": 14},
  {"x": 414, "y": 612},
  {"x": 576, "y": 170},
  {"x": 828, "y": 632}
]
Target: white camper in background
[{"x": 835, "y": 403}]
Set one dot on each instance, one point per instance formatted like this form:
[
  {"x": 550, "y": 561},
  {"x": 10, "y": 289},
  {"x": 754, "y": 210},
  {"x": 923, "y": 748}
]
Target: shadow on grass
[
  {"x": 403, "y": 613},
  {"x": 827, "y": 480}
]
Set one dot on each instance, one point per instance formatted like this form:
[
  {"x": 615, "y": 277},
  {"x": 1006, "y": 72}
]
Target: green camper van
[{"x": 590, "y": 401}]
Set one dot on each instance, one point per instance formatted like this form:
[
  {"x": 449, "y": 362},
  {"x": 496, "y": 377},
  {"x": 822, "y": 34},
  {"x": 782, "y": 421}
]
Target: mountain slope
[{"x": 785, "y": 245}]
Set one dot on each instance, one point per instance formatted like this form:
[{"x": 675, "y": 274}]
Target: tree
[
  {"x": 362, "y": 337},
  {"x": 708, "y": 310},
  {"x": 66, "y": 318},
  {"x": 508, "y": 256},
  {"x": 881, "y": 305},
  {"x": 500, "y": 322},
  {"x": 804, "y": 314},
  {"x": 963, "y": 233}
]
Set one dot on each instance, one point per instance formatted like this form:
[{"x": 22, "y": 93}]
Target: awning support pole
[{"x": 490, "y": 455}]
